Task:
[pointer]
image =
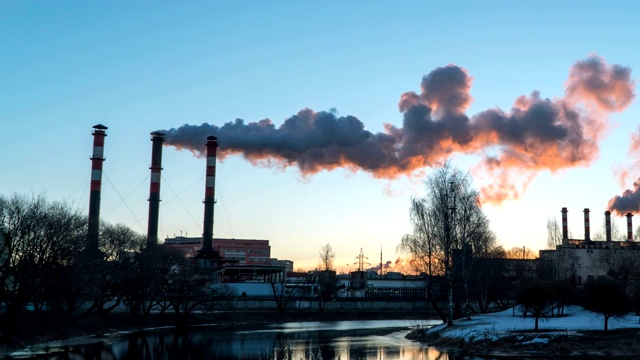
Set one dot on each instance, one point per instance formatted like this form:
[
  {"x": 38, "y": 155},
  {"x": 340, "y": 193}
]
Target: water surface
[{"x": 378, "y": 339}]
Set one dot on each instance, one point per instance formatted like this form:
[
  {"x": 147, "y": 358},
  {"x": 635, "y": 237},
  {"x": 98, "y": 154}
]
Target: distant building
[
  {"x": 368, "y": 284},
  {"x": 581, "y": 260},
  {"x": 286, "y": 264},
  {"x": 244, "y": 251}
]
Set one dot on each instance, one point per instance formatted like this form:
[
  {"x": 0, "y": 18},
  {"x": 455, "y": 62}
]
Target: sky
[{"x": 345, "y": 108}]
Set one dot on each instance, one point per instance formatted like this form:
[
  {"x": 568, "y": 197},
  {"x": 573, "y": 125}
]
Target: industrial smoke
[
  {"x": 536, "y": 134},
  {"x": 629, "y": 201}
]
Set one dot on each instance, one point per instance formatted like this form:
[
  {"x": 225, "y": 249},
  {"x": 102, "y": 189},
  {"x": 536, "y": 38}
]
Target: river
[{"x": 345, "y": 340}]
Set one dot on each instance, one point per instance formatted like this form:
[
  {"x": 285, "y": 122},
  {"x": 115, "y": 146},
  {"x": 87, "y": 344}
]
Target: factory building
[
  {"x": 365, "y": 284},
  {"x": 581, "y": 260},
  {"x": 240, "y": 251}
]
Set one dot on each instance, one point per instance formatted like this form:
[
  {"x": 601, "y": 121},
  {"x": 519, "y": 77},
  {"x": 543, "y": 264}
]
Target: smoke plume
[
  {"x": 536, "y": 134},
  {"x": 400, "y": 265},
  {"x": 629, "y": 201}
]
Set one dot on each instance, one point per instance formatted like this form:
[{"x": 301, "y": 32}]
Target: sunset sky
[{"x": 537, "y": 100}]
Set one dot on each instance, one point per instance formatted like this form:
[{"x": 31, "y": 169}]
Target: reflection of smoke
[
  {"x": 536, "y": 134},
  {"x": 629, "y": 201}
]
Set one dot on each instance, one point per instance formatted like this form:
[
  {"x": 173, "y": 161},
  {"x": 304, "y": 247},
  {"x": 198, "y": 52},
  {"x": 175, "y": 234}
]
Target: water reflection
[{"x": 348, "y": 340}]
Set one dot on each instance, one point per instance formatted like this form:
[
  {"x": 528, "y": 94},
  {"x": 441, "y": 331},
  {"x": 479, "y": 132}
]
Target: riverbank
[
  {"x": 579, "y": 333},
  {"x": 46, "y": 327}
]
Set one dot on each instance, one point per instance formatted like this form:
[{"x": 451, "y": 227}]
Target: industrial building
[
  {"x": 367, "y": 284},
  {"x": 581, "y": 260},
  {"x": 245, "y": 264},
  {"x": 239, "y": 251}
]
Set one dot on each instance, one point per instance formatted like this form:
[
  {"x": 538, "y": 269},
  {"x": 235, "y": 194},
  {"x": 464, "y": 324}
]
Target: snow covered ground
[{"x": 495, "y": 326}]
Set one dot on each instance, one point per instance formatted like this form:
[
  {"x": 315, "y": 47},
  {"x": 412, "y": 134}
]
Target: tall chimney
[
  {"x": 157, "y": 138},
  {"x": 629, "y": 227},
  {"x": 209, "y": 201},
  {"x": 587, "y": 236},
  {"x": 96, "y": 185},
  {"x": 607, "y": 224},
  {"x": 565, "y": 230}
]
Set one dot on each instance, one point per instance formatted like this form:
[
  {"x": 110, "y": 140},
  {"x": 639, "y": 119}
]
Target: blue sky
[{"x": 141, "y": 66}]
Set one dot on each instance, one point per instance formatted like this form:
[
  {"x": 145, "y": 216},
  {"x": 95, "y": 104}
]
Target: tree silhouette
[
  {"x": 535, "y": 298},
  {"x": 606, "y": 297}
]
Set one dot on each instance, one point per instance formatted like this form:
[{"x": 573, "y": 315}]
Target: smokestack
[
  {"x": 209, "y": 201},
  {"x": 629, "y": 227},
  {"x": 565, "y": 230},
  {"x": 96, "y": 185},
  {"x": 157, "y": 138},
  {"x": 607, "y": 224},
  {"x": 587, "y": 236}
]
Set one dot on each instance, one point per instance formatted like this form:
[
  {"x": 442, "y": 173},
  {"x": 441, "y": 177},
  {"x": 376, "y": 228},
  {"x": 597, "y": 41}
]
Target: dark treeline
[{"x": 46, "y": 273}]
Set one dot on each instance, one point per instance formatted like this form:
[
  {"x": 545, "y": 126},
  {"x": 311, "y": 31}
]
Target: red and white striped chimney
[
  {"x": 157, "y": 138},
  {"x": 565, "y": 230},
  {"x": 629, "y": 227},
  {"x": 96, "y": 185},
  {"x": 607, "y": 224},
  {"x": 209, "y": 200},
  {"x": 587, "y": 235}
]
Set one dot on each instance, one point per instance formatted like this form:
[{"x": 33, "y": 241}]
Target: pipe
[
  {"x": 209, "y": 201},
  {"x": 607, "y": 224},
  {"x": 587, "y": 236},
  {"x": 629, "y": 227},
  {"x": 97, "y": 159},
  {"x": 157, "y": 138},
  {"x": 565, "y": 230}
]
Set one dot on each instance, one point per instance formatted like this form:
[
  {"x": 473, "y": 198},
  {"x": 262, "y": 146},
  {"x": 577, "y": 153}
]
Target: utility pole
[{"x": 381, "y": 273}]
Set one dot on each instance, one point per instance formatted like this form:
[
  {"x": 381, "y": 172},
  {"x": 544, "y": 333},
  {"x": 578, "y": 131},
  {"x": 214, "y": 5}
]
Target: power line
[
  {"x": 180, "y": 193},
  {"x": 181, "y": 203},
  {"x": 225, "y": 211},
  {"x": 122, "y": 200}
]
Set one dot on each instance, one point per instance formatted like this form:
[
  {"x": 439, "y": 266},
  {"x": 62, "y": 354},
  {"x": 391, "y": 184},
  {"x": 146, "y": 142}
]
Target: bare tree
[
  {"x": 490, "y": 280},
  {"x": 554, "y": 233},
  {"x": 563, "y": 266},
  {"x": 598, "y": 295},
  {"x": 616, "y": 234},
  {"x": 119, "y": 246},
  {"x": 475, "y": 237},
  {"x": 421, "y": 245},
  {"x": 142, "y": 286},
  {"x": 184, "y": 290},
  {"x": 622, "y": 266},
  {"x": 326, "y": 257},
  {"x": 283, "y": 294},
  {"x": 535, "y": 298},
  {"x": 520, "y": 253},
  {"x": 449, "y": 226},
  {"x": 41, "y": 242}
]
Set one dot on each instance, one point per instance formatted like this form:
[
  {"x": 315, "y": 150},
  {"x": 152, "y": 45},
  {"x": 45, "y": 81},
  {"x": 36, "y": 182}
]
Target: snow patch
[{"x": 501, "y": 324}]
